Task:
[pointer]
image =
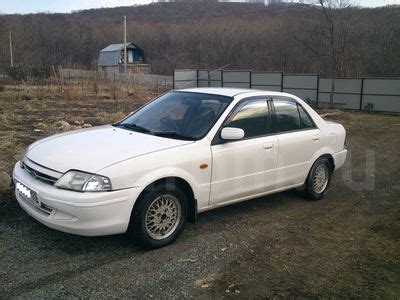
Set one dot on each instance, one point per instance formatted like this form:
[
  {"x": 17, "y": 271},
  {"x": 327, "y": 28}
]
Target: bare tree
[
  {"x": 328, "y": 37},
  {"x": 331, "y": 38}
]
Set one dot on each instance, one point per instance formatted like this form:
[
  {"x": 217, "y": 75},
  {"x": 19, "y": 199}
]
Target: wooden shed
[{"x": 111, "y": 59}]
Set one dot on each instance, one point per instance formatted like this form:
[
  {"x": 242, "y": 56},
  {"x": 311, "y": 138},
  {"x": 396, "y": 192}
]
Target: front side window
[
  {"x": 253, "y": 118},
  {"x": 180, "y": 115},
  {"x": 287, "y": 116}
]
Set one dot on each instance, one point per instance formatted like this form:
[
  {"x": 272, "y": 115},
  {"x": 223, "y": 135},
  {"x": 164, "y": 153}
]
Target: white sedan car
[{"x": 186, "y": 152}]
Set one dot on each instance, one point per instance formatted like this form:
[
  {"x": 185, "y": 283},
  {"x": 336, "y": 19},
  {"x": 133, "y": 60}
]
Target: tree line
[{"x": 328, "y": 39}]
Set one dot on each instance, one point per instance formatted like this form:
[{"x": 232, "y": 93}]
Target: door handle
[
  {"x": 316, "y": 138},
  {"x": 268, "y": 146}
]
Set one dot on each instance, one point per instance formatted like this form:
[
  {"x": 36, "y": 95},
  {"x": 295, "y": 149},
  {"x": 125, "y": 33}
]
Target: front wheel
[
  {"x": 318, "y": 179},
  {"x": 159, "y": 217}
]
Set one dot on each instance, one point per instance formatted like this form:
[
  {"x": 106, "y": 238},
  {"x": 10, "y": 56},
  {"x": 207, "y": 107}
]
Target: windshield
[{"x": 179, "y": 115}]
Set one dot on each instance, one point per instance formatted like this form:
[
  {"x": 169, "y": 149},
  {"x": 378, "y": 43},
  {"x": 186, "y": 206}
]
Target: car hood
[{"x": 95, "y": 148}]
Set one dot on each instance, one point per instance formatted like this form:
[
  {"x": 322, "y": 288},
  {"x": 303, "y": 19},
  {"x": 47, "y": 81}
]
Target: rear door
[
  {"x": 299, "y": 139},
  {"x": 245, "y": 167}
]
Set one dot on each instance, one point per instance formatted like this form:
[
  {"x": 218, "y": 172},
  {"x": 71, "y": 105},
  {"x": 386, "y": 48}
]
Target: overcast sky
[{"x": 32, "y": 6}]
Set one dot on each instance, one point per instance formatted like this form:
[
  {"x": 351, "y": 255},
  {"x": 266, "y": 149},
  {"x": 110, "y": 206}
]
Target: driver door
[{"x": 245, "y": 167}]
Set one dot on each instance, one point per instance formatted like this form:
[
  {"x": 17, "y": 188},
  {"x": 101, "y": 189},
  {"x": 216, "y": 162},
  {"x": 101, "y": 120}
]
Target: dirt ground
[{"x": 280, "y": 246}]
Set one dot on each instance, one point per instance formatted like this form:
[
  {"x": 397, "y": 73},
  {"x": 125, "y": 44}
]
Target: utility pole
[
  {"x": 11, "y": 50},
  {"x": 125, "y": 57}
]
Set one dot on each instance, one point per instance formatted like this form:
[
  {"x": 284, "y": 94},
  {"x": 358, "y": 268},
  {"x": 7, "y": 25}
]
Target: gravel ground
[{"x": 346, "y": 245}]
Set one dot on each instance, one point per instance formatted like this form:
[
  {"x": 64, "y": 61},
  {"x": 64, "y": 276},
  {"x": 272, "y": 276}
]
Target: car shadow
[{"x": 42, "y": 237}]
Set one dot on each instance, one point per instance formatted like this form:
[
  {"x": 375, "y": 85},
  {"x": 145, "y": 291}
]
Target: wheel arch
[
  {"x": 182, "y": 184},
  {"x": 319, "y": 155},
  {"x": 310, "y": 192},
  {"x": 323, "y": 152},
  {"x": 330, "y": 159}
]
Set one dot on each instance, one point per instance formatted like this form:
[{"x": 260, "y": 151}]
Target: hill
[{"x": 211, "y": 34}]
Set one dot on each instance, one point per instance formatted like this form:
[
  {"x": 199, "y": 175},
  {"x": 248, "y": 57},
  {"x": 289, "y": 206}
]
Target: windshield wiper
[
  {"x": 132, "y": 126},
  {"x": 173, "y": 135},
  {"x": 167, "y": 134}
]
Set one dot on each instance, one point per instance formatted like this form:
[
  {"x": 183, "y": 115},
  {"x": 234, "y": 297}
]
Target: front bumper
[{"x": 89, "y": 213}]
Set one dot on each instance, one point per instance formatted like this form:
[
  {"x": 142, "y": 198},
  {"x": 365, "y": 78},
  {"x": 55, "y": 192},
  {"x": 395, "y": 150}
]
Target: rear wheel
[
  {"x": 318, "y": 179},
  {"x": 159, "y": 216}
]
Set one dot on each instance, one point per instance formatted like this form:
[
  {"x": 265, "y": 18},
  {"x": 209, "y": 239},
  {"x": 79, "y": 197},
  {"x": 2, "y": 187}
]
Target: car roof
[{"x": 230, "y": 92}]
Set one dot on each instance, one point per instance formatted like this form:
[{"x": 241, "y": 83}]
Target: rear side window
[
  {"x": 253, "y": 118},
  {"x": 305, "y": 119},
  {"x": 287, "y": 116}
]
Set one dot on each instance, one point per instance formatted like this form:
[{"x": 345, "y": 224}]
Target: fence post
[
  {"x": 281, "y": 81},
  {"x": 197, "y": 77},
  {"x": 361, "y": 93},
  {"x": 317, "y": 99},
  {"x": 173, "y": 80},
  {"x": 222, "y": 78},
  {"x": 332, "y": 94},
  {"x": 250, "y": 74}
]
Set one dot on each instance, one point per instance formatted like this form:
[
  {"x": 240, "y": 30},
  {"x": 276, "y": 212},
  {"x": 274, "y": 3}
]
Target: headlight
[{"x": 83, "y": 182}]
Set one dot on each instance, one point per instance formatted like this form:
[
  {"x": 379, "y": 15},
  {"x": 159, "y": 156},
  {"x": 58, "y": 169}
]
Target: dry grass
[
  {"x": 39, "y": 92},
  {"x": 72, "y": 92},
  {"x": 9, "y": 147},
  {"x": 93, "y": 89},
  {"x": 12, "y": 96},
  {"x": 29, "y": 112}
]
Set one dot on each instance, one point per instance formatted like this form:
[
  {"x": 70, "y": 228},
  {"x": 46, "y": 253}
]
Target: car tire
[
  {"x": 318, "y": 180},
  {"x": 159, "y": 216}
]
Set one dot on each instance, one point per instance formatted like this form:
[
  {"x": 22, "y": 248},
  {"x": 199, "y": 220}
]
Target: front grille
[
  {"x": 39, "y": 175},
  {"x": 42, "y": 208}
]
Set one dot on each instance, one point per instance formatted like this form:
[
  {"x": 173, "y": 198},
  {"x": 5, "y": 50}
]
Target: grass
[{"x": 12, "y": 96}]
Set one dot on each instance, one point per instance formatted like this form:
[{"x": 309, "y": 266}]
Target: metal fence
[{"x": 372, "y": 94}]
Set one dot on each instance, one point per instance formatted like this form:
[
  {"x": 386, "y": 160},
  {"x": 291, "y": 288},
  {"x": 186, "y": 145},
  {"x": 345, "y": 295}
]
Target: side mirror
[{"x": 231, "y": 133}]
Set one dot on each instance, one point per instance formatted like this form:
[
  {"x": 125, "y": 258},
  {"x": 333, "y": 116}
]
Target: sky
[{"x": 33, "y": 6}]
